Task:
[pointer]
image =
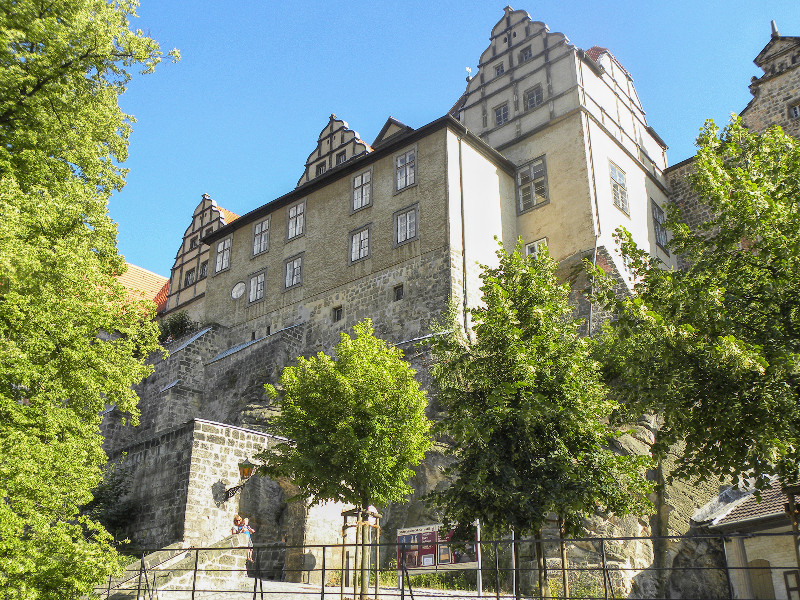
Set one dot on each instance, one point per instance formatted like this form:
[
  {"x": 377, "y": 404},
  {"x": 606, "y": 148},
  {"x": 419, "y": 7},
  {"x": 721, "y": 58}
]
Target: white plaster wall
[
  {"x": 640, "y": 188},
  {"x": 480, "y": 199},
  {"x": 780, "y": 554}
]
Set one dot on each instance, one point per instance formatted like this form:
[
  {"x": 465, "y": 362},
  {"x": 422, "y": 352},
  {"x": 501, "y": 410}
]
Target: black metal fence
[{"x": 707, "y": 567}]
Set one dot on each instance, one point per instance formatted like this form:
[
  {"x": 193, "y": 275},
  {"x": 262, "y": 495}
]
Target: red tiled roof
[
  {"x": 141, "y": 283},
  {"x": 161, "y": 297},
  {"x": 595, "y": 51},
  {"x": 227, "y": 216},
  {"x": 772, "y": 501}
]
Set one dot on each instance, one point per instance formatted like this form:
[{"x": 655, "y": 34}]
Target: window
[
  {"x": 405, "y": 225},
  {"x": 406, "y": 168},
  {"x": 257, "y": 286},
  {"x": 398, "y": 292},
  {"x": 618, "y": 189},
  {"x": 193, "y": 243},
  {"x": 501, "y": 114},
  {"x": 320, "y": 169},
  {"x": 341, "y": 157},
  {"x": 533, "y": 248},
  {"x": 337, "y": 313},
  {"x": 499, "y": 70},
  {"x": 525, "y": 54},
  {"x": 532, "y": 97},
  {"x": 794, "y": 111},
  {"x": 209, "y": 230},
  {"x": 189, "y": 278},
  {"x": 532, "y": 182},
  {"x": 658, "y": 225},
  {"x": 362, "y": 190},
  {"x": 296, "y": 220},
  {"x": 359, "y": 244},
  {"x": 294, "y": 272},
  {"x": 203, "y": 270},
  {"x": 261, "y": 237},
  {"x": 223, "y": 255}
]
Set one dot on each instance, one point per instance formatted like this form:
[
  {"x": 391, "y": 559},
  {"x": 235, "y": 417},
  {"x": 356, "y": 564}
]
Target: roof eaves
[{"x": 395, "y": 142}]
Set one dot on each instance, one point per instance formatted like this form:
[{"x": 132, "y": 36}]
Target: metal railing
[{"x": 653, "y": 568}]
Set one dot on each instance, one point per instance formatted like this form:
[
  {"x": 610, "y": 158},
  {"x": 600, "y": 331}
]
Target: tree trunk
[
  {"x": 564, "y": 578},
  {"x": 544, "y": 588},
  {"x": 364, "y": 554}
]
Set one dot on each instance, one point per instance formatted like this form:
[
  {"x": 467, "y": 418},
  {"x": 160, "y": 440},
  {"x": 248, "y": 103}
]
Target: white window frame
[
  {"x": 359, "y": 243},
  {"x": 658, "y": 225},
  {"x": 362, "y": 190},
  {"x": 525, "y": 54},
  {"x": 794, "y": 111},
  {"x": 223, "y": 259},
  {"x": 501, "y": 114},
  {"x": 532, "y": 189},
  {"x": 320, "y": 169},
  {"x": 341, "y": 157},
  {"x": 537, "y": 93},
  {"x": 293, "y": 272},
  {"x": 189, "y": 278},
  {"x": 203, "y": 270},
  {"x": 296, "y": 220},
  {"x": 261, "y": 237},
  {"x": 533, "y": 248},
  {"x": 405, "y": 169},
  {"x": 499, "y": 69},
  {"x": 256, "y": 288},
  {"x": 403, "y": 219},
  {"x": 619, "y": 188}
]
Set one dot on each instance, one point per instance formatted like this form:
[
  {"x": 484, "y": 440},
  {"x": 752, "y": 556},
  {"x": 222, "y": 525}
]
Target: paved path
[{"x": 276, "y": 590}]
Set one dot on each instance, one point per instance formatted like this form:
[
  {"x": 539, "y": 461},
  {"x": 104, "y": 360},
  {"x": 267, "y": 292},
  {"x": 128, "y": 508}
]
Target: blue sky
[{"x": 238, "y": 115}]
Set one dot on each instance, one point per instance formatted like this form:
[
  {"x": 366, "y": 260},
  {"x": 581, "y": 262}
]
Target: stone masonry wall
[
  {"x": 774, "y": 94},
  {"x": 159, "y": 470}
]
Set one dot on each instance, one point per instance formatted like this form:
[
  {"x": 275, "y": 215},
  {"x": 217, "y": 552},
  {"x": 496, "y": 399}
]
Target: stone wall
[
  {"x": 179, "y": 483},
  {"x": 773, "y": 95}
]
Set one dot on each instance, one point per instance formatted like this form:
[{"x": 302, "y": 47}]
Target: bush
[{"x": 176, "y": 325}]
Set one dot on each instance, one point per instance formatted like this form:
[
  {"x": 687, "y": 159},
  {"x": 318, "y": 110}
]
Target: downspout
[{"x": 463, "y": 238}]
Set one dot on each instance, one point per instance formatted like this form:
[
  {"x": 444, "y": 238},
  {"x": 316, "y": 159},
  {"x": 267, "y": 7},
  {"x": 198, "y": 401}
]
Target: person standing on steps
[{"x": 242, "y": 526}]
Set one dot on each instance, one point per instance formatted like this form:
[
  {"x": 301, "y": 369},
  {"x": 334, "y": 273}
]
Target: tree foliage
[
  {"x": 71, "y": 340},
  {"x": 355, "y": 423},
  {"x": 714, "y": 348},
  {"x": 525, "y": 410}
]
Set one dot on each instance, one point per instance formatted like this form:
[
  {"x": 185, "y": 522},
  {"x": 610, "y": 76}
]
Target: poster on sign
[{"x": 424, "y": 548}]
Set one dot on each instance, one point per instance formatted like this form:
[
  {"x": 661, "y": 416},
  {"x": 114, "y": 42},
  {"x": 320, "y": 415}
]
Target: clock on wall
[{"x": 238, "y": 290}]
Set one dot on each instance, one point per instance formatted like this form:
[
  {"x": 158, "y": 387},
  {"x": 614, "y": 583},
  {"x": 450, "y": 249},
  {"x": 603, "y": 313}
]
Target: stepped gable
[
  {"x": 187, "y": 284},
  {"x": 336, "y": 144}
]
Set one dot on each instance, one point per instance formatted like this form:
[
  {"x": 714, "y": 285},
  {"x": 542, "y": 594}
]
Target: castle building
[{"x": 549, "y": 144}]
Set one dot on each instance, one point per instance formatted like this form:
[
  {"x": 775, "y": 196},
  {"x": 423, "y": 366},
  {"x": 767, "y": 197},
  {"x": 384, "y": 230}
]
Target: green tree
[
  {"x": 713, "y": 348},
  {"x": 356, "y": 423},
  {"x": 526, "y": 412},
  {"x": 71, "y": 341}
]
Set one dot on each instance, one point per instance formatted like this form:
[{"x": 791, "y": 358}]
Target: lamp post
[{"x": 246, "y": 469}]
